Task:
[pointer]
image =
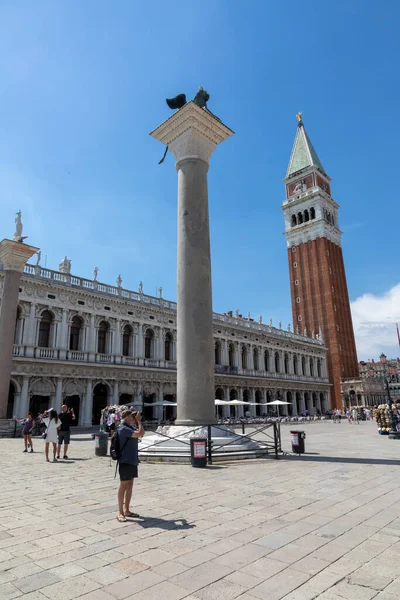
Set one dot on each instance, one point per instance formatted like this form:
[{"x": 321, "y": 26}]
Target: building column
[
  {"x": 14, "y": 256},
  {"x": 116, "y": 348},
  {"x": 24, "y": 399},
  {"x": 160, "y": 409},
  {"x": 250, "y": 360},
  {"x": 140, "y": 346},
  {"x": 91, "y": 347},
  {"x": 58, "y": 397},
  {"x": 62, "y": 335},
  {"x": 115, "y": 397},
  {"x": 140, "y": 396},
  {"x": 30, "y": 331},
  {"x": 16, "y": 405},
  {"x": 88, "y": 404}
]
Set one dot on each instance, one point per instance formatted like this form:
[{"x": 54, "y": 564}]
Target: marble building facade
[{"x": 91, "y": 345}]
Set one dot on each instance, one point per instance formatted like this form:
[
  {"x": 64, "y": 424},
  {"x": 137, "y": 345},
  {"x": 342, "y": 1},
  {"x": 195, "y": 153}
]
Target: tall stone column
[
  {"x": 13, "y": 256},
  {"x": 192, "y": 134},
  {"x": 88, "y": 402},
  {"x": 58, "y": 400}
]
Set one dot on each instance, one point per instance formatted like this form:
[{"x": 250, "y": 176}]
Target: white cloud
[{"x": 374, "y": 320}]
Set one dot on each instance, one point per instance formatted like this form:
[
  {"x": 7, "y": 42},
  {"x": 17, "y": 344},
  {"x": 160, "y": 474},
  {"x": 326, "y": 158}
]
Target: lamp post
[{"x": 393, "y": 434}]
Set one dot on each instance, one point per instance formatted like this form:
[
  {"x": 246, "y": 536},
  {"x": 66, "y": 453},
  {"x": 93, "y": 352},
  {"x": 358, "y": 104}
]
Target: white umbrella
[
  {"x": 164, "y": 403},
  {"x": 238, "y": 403},
  {"x": 277, "y": 403}
]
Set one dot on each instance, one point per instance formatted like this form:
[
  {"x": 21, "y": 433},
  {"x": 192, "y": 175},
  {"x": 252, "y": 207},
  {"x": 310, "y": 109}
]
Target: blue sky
[{"x": 83, "y": 83}]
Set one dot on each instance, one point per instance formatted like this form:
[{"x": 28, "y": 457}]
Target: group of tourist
[{"x": 57, "y": 431}]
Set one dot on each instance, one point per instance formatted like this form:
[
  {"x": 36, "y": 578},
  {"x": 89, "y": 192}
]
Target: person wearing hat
[{"x": 129, "y": 432}]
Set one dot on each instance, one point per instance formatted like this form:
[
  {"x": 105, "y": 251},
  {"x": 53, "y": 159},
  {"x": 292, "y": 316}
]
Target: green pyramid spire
[{"x": 303, "y": 153}]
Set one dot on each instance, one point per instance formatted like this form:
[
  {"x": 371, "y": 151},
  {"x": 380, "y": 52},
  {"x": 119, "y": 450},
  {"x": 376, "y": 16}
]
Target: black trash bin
[
  {"x": 198, "y": 452},
  {"x": 298, "y": 444},
  {"x": 101, "y": 444}
]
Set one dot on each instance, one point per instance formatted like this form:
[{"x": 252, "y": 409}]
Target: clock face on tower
[{"x": 300, "y": 185}]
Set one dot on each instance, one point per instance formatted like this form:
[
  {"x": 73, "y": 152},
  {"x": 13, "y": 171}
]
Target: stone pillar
[
  {"x": 115, "y": 397},
  {"x": 88, "y": 403},
  {"x": 24, "y": 400},
  {"x": 140, "y": 396},
  {"x": 192, "y": 134},
  {"x": 58, "y": 398},
  {"x": 13, "y": 256}
]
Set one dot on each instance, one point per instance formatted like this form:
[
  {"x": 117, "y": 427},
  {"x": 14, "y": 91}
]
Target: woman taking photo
[
  {"x": 51, "y": 435},
  {"x": 28, "y": 425}
]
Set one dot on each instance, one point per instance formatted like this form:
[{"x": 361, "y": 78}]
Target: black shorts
[{"x": 127, "y": 472}]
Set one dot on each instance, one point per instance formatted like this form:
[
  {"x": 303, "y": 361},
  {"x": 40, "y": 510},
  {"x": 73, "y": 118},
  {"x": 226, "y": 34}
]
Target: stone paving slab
[{"x": 325, "y": 525}]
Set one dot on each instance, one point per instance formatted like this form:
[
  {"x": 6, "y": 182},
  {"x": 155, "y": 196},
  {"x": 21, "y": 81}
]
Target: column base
[
  {"x": 196, "y": 423},
  {"x": 172, "y": 444}
]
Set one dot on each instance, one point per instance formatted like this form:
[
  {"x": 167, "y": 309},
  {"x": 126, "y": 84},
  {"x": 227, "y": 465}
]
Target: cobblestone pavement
[{"x": 326, "y": 525}]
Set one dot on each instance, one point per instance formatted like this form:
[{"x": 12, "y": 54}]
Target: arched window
[
  {"x": 294, "y": 221},
  {"x": 311, "y": 367},
  {"x": 103, "y": 337},
  {"x": 319, "y": 367},
  {"x": 333, "y": 220},
  {"x": 306, "y": 216},
  {"x": 244, "y": 357},
  {"x": 231, "y": 355},
  {"x": 217, "y": 352},
  {"x": 286, "y": 362},
  {"x": 255, "y": 359},
  {"x": 148, "y": 343},
  {"x": 266, "y": 360},
  {"x": 168, "y": 346},
  {"x": 75, "y": 334},
  {"x": 303, "y": 365},
  {"x": 312, "y": 212},
  {"x": 295, "y": 364},
  {"x": 45, "y": 327},
  {"x": 127, "y": 341},
  {"x": 277, "y": 363},
  {"x": 299, "y": 218}
]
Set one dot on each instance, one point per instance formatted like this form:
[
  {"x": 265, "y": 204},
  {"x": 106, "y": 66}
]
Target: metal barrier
[
  {"x": 268, "y": 441},
  {"x": 10, "y": 429}
]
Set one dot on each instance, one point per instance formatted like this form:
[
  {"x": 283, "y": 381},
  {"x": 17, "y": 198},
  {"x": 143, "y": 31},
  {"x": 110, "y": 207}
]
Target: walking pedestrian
[
  {"x": 348, "y": 415},
  {"x": 28, "y": 425},
  {"x": 355, "y": 416},
  {"x": 64, "y": 434},
  {"x": 50, "y": 436},
  {"x": 129, "y": 432}
]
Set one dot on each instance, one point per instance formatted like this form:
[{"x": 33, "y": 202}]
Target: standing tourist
[
  {"x": 28, "y": 425},
  {"x": 339, "y": 415},
  {"x": 355, "y": 416},
  {"x": 130, "y": 430},
  {"x": 64, "y": 434},
  {"x": 52, "y": 426},
  {"x": 348, "y": 415}
]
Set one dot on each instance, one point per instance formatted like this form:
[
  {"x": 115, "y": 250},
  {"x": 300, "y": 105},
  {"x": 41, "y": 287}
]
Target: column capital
[
  {"x": 192, "y": 133},
  {"x": 15, "y": 255}
]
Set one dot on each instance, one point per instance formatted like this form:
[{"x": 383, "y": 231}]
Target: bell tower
[{"x": 320, "y": 299}]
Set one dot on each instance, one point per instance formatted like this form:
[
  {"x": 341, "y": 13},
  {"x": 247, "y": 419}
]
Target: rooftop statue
[
  {"x": 18, "y": 237},
  {"x": 200, "y": 99}
]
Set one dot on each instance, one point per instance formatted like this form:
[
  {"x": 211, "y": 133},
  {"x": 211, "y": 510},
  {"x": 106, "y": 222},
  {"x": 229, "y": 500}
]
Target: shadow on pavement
[
  {"x": 162, "y": 523},
  {"x": 343, "y": 459}
]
